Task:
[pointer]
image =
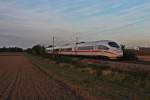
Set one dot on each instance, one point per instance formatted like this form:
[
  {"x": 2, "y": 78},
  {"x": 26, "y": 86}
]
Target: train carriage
[{"x": 105, "y": 48}]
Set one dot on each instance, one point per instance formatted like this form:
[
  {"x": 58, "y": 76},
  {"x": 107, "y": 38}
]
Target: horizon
[{"x": 28, "y": 22}]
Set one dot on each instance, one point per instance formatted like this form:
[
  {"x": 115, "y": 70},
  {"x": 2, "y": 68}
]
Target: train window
[
  {"x": 67, "y": 49},
  {"x": 86, "y": 48},
  {"x": 113, "y": 44},
  {"x": 102, "y": 47},
  {"x": 56, "y": 49}
]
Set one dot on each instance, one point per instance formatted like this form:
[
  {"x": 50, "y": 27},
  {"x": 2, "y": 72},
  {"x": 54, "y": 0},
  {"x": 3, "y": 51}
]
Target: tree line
[
  {"x": 11, "y": 49},
  {"x": 37, "y": 50}
]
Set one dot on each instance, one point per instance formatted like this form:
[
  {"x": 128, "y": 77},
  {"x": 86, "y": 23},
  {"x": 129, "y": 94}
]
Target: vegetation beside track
[{"x": 99, "y": 79}]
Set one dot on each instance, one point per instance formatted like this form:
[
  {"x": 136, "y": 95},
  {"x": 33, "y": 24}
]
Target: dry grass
[{"x": 107, "y": 80}]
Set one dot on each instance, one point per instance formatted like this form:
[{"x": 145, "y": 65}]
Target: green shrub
[
  {"x": 129, "y": 55},
  {"x": 63, "y": 59},
  {"x": 37, "y": 50}
]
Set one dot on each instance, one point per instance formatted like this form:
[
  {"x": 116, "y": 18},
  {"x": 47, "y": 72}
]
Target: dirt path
[{"x": 20, "y": 80}]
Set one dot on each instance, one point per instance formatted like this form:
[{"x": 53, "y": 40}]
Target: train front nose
[{"x": 119, "y": 53}]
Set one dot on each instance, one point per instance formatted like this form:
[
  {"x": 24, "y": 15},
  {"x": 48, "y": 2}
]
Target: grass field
[{"x": 100, "y": 80}]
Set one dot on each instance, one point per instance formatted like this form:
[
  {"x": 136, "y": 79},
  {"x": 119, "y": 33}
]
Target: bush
[
  {"x": 64, "y": 59},
  {"x": 28, "y": 50},
  {"x": 129, "y": 55},
  {"x": 37, "y": 50}
]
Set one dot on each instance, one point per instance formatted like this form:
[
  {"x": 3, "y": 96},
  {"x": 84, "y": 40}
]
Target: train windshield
[{"x": 113, "y": 44}]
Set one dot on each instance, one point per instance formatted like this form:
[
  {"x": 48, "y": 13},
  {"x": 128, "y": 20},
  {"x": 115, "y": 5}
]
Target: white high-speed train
[{"x": 105, "y": 48}]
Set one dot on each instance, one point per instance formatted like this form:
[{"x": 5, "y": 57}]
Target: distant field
[{"x": 21, "y": 80}]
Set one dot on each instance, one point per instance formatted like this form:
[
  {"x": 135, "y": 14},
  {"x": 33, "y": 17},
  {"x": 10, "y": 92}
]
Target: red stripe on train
[{"x": 90, "y": 51}]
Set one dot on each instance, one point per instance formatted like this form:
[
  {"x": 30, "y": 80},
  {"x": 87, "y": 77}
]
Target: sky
[{"x": 28, "y": 22}]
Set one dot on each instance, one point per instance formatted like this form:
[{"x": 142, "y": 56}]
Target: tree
[{"x": 39, "y": 50}]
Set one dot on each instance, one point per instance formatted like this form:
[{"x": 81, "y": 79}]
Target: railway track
[
  {"x": 123, "y": 65},
  {"x": 131, "y": 65},
  {"x": 105, "y": 59},
  {"x": 117, "y": 64}
]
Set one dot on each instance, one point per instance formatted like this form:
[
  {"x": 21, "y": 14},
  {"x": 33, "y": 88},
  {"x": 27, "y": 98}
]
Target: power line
[{"x": 53, "y": 43}]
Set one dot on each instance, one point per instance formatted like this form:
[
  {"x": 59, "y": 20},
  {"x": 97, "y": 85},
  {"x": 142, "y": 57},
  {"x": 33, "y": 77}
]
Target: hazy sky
[{"x": 28, "y": 22}]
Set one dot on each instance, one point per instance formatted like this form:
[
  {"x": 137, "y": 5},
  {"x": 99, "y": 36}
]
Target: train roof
[
  {"x": 101, "y": 41},
  {"x": 84, "y": 43},
  {"x": 96, "y": 42}
]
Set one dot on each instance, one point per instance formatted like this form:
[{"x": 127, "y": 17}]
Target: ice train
[{"x": 102, "y": 48}]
